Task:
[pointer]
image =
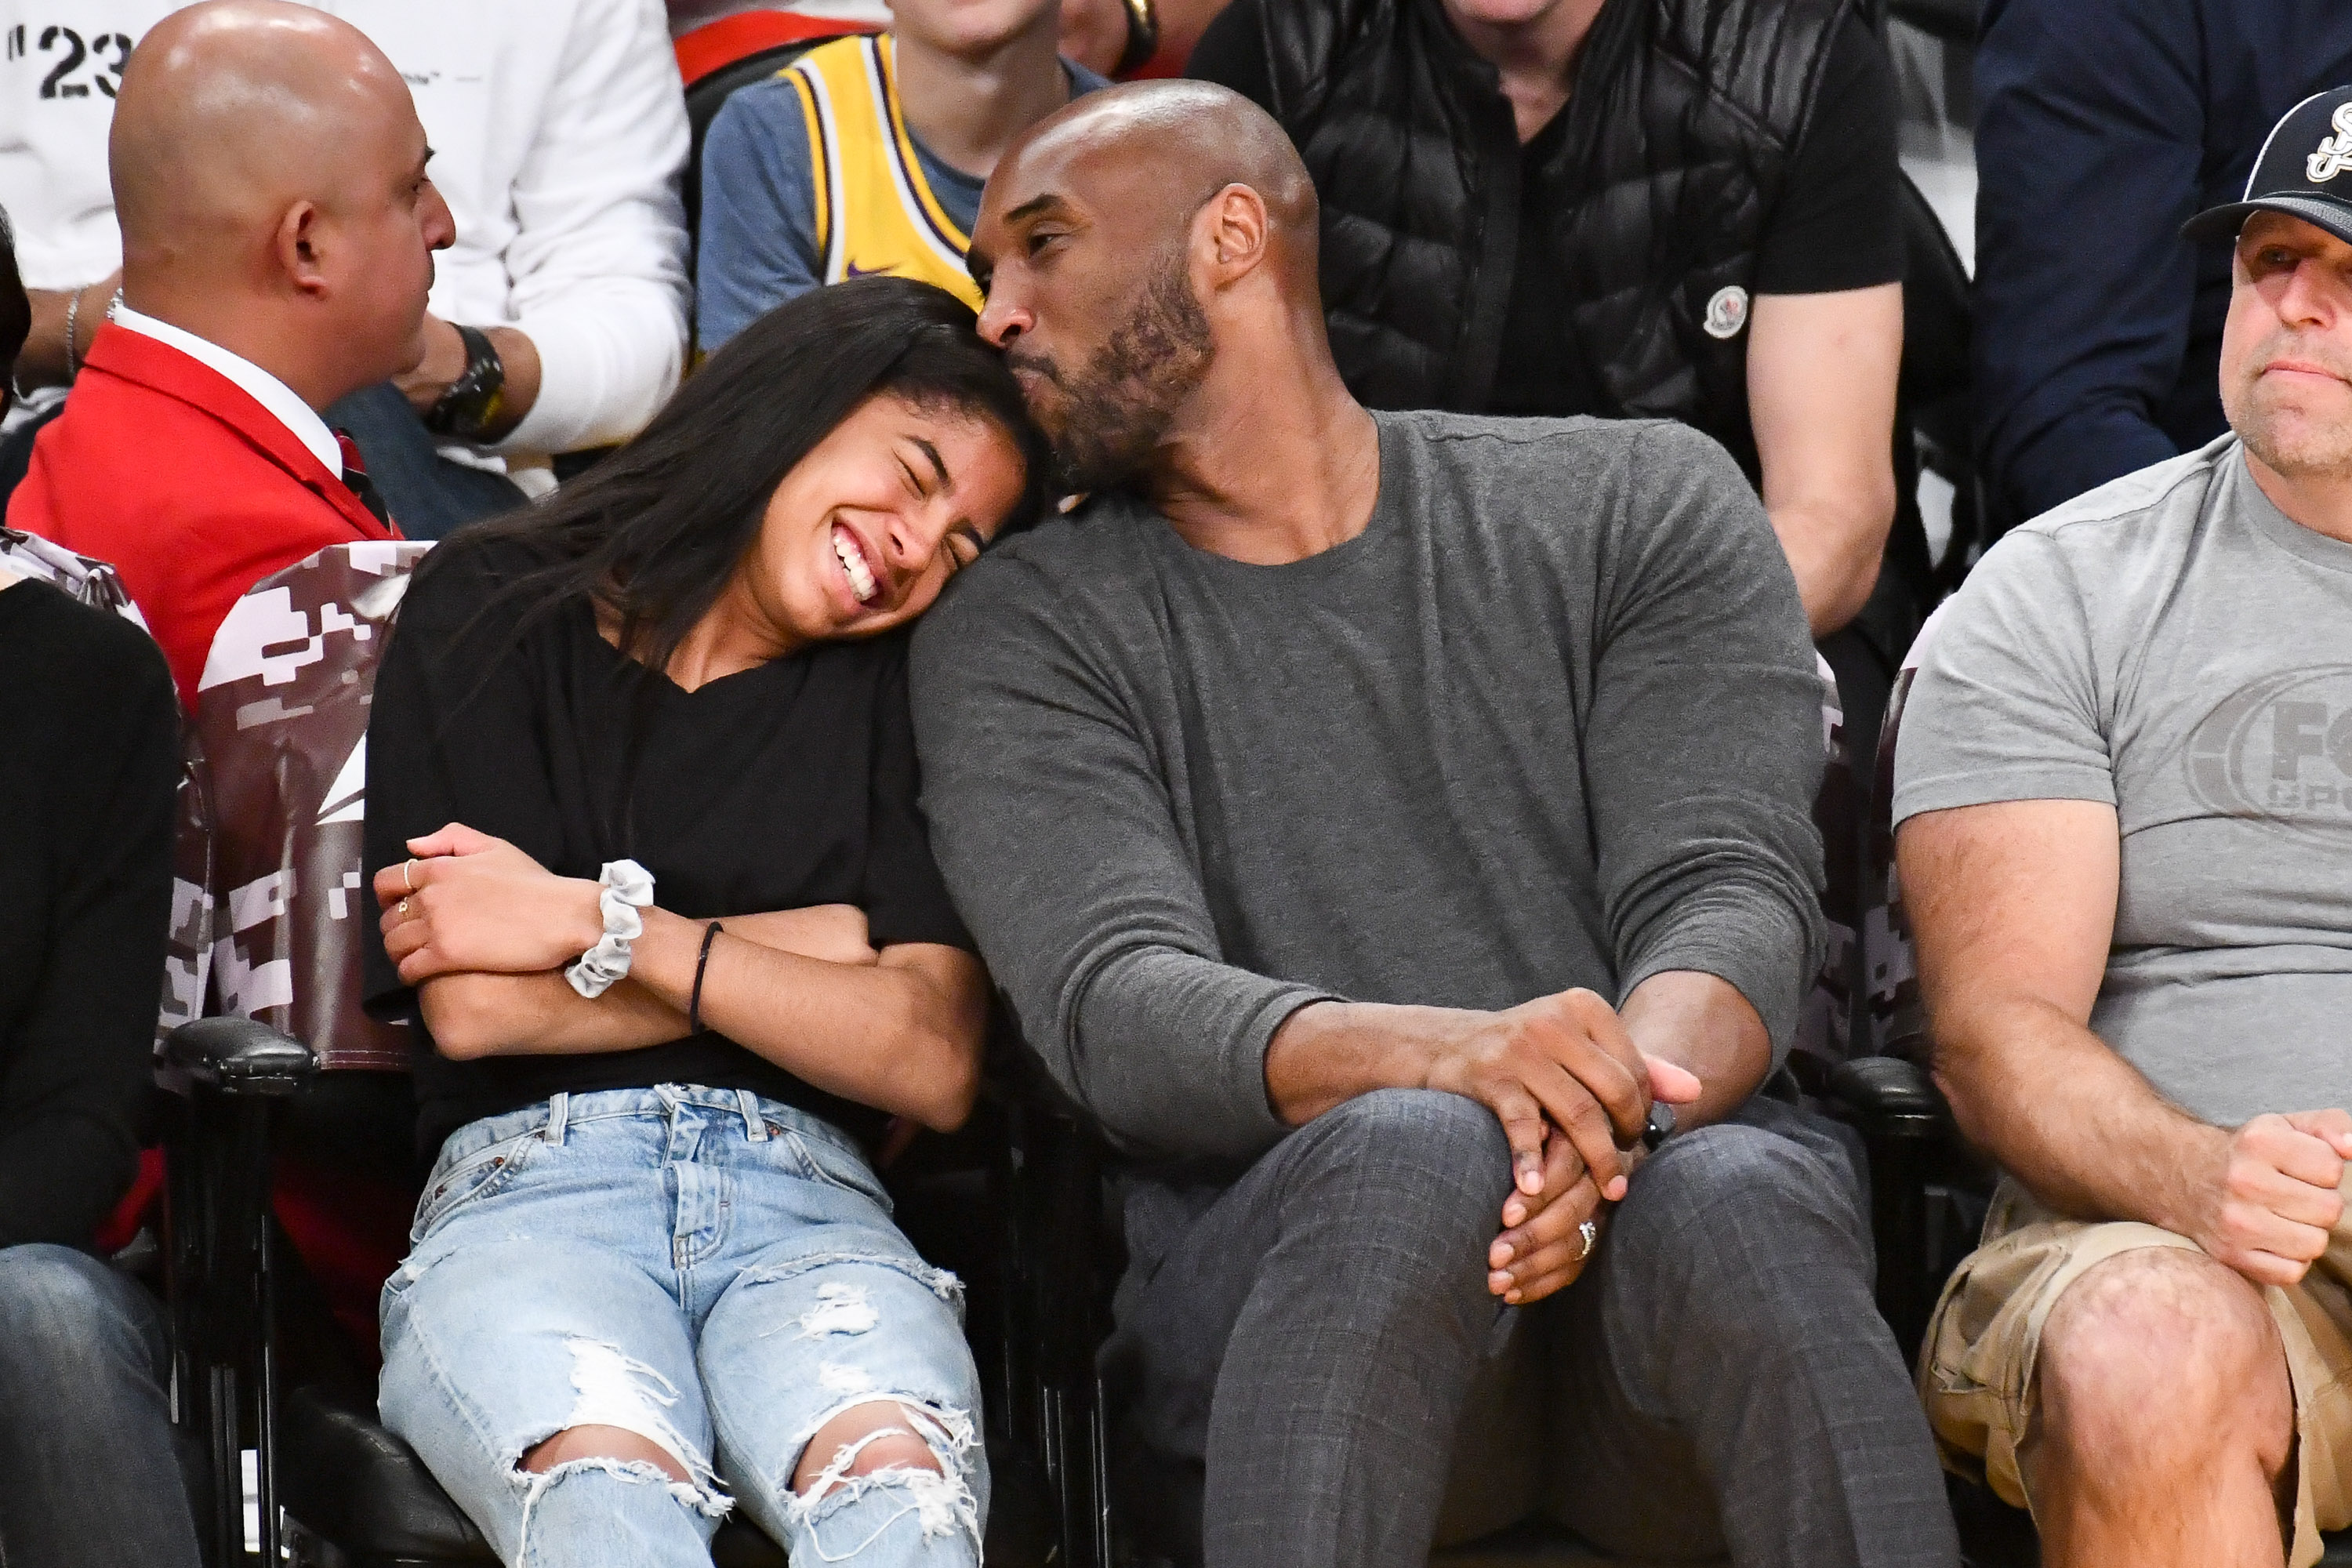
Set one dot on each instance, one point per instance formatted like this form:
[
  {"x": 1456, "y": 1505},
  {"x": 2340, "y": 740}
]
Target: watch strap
[{"x": 473, "y": 400}]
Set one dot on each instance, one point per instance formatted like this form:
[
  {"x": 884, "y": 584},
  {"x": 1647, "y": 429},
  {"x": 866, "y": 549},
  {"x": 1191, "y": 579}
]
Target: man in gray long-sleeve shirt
[{"x": 1365, "y": 826}]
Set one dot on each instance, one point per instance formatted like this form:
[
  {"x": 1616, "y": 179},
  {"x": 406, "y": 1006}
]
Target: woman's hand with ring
[{"x": 480, "y": 905}]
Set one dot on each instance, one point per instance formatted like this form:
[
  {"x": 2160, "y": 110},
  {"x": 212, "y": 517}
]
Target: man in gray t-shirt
[
  {"x": 1366, "y": 815},
  {"x": 2124, "y": 786}
]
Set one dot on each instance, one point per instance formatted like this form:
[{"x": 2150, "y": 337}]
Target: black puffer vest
[{"x": 1683, "y": 120}]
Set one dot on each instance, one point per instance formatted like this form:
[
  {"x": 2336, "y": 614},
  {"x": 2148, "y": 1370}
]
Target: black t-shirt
[
  {"x": 1838, "y": 224},
  {"x": 90, "y": 757},
  {"x": 785, "y": 785}
]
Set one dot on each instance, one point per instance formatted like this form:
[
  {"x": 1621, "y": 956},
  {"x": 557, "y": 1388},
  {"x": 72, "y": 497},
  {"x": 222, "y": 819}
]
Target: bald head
[
  {"x": 231, "y": 111},
  {"x": 1149, "y": 257},
  {"x": 270, "y": 176},
  {"x": 1160, "y": 151}
]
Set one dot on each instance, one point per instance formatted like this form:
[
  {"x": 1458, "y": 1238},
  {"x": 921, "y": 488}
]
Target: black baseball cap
[{"x": 2304, "y": 169}]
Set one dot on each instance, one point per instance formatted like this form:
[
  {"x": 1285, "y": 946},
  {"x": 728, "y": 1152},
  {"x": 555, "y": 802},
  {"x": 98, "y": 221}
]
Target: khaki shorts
[{"x": 1976, "y": 1371}]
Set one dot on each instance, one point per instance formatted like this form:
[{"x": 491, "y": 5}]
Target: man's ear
[
  {"x": 300, "y": 243},
  {"x": 1233, "y": 230}
]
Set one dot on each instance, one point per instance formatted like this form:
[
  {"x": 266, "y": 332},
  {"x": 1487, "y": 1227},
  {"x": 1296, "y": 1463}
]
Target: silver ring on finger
[
  {"x": 400, "y": 909},
  {"x": 407, "y": 882},
  {"x": 1591, "y": 1231}
]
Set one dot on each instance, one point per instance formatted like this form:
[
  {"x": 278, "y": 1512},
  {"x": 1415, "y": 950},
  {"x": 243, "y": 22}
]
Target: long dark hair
[{"x": 654, "y": 532}]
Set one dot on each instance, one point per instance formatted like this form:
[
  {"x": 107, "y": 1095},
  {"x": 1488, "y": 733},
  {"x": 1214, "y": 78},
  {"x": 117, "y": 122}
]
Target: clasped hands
[
  {"x": 469, "y": 903},
  {"x": 1572, "y": 1092}
]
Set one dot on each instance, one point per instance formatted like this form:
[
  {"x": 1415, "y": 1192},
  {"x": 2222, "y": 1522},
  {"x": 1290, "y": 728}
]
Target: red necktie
[{"x": 355, "y": 475}]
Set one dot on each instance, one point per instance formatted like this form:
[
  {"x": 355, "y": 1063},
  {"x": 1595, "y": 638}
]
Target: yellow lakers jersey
[{"x": 875, "y": 212}]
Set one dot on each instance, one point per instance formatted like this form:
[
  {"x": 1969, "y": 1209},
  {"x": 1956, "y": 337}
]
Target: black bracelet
[{"x": 702, "y": 962}]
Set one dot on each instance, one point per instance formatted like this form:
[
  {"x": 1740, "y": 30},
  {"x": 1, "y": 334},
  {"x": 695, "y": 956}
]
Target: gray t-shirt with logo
[{"x": 2172, "y": 643}]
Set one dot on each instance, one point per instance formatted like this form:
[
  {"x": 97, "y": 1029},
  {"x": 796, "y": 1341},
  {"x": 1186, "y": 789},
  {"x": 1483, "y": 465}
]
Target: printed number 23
[{"x": 77, "y": 54}]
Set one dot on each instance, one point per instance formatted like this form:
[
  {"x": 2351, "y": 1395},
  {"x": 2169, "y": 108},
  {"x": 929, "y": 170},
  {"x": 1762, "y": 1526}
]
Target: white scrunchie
[{"x": 628, "y": 887}]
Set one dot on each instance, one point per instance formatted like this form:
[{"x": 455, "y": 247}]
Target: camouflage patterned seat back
[
  {"x": 1897, "y": 1024},
  {"x": 1825, "y": 1026},
  {"x": 282, "y": 713},
  {"x": 79, "y": 577}
]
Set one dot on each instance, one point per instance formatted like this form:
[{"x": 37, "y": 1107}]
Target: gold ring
[
  {"x": 400, "y": 909},
  {"x": 406, "y": 881}
]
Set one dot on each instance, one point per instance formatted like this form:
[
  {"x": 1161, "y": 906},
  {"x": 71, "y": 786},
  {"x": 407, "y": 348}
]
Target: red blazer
[{"x": 194, "y": 492}]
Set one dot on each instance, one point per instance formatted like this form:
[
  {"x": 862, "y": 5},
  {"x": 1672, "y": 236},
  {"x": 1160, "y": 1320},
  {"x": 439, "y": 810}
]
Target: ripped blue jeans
[{"x": 713, "y": 1271}]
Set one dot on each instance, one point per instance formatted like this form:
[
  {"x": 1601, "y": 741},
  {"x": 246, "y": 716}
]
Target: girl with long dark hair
[{"x": 641, "y": 795}]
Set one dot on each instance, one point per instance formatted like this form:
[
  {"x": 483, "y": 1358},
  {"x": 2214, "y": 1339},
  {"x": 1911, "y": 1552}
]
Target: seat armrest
[
  {"x": 240, "y": 1057},
  {"x": 1889, "y": 1097}
]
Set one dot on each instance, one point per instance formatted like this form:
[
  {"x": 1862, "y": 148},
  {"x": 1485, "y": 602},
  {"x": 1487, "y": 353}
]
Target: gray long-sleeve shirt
[{"x": 1551, "y": 720}]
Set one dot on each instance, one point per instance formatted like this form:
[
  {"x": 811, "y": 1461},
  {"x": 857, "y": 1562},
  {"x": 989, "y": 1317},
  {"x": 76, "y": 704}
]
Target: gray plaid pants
[{"x": 1305, "y": 1355}]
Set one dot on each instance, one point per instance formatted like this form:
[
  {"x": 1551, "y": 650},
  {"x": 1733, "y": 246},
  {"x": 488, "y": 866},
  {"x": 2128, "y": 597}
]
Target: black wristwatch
[
  {"x": 1143, "y": 35},
  {"x": 472, "y": 402}
]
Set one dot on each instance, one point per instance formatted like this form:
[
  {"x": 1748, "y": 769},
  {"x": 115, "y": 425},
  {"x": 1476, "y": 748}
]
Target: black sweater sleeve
[{"x": 89, "y": 763}]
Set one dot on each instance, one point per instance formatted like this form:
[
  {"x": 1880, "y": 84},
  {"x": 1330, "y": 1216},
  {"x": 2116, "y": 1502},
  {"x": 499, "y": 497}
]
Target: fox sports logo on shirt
[{"x": 2278, "y": 752}]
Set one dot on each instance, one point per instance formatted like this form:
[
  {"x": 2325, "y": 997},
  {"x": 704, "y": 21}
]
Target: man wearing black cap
[{"x": 2125, "y": 791}]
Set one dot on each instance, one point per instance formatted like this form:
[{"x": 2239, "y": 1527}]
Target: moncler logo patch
[
  {"x": 2334, "y": 154},
  {"x": 1728, "y": 312}
]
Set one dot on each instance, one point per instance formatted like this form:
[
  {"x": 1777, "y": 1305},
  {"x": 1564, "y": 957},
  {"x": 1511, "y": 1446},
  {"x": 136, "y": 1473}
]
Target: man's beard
[{"x": 1117, "y": 408}]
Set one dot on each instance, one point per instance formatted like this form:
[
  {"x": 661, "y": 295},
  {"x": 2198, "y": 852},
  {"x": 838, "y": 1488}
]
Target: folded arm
[{"x": 486, "y": 931}]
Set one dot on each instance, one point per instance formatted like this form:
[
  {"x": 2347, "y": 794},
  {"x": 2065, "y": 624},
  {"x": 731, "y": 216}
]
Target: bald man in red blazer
[
  {"x": 188, "y": 483},
  {"x": 278, "y": 236},
  {"x": 277, "y": 251}
]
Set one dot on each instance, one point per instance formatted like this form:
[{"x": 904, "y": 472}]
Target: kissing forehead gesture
[
  {"x": 1143, "y": 252},
  {"x": 1290, "y": 904}
]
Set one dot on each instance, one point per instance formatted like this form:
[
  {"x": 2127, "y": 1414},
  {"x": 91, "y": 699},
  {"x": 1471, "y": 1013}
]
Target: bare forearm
[
  {"x": 1835, "y": 551},
  {"x": 1821, "y": 372},
  {"x": 42, "y": 360},
  {"x": 900, "y": 1036},
  {"x": 1702, "y": 1023},
  {"x": 2069, "y": 1118},
  {"x": 474, "y": 1015},
  {"x": 1329, "y": 1053}
]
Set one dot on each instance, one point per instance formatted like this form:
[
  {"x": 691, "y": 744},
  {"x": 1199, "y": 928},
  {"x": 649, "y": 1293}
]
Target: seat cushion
[
  {"x": 358, "y": 1487},
  {"x": 352, "y": 1482}
]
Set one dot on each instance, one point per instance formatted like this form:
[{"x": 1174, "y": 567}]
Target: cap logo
[{"x": 2334, "y": 154}]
